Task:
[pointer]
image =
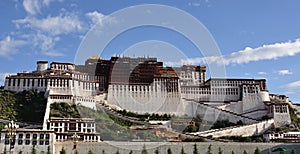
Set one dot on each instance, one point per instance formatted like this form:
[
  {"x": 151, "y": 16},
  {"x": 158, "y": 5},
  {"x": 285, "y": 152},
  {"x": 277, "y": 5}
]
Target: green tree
[
  {"x": 90, "y": 152},
  {"x": 209, "y": 150},
  {"x": 195, "y": 149},
  {"x": 76, "y": 152},
  {"x": 245, "y": 152},
  {"x": 118, "y": 152},
  {"x": 182, "y": 150},
  {"x": 5, "y": 152},
  {"x": 156, "y": 151},
  {"x": 169, "y": 151},
  {"x": 62, "y": 151},
  {"x": 293, "y": 151},
  {"x": 232, "y": 152},
  {"x": 257, "y": 151},
  {"x": 103, "y": 152},
  {"x": 144, "y": 151},
  {"x": 20, "y": 152},
  {"x": 220, "y": 150},
  {"x": 130, "y": 152},
  {"x": 48, "y": 150},
  {"x": 33, "y": 150}
]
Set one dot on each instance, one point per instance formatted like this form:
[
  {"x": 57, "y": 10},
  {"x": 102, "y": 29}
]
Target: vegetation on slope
[
  {"x": 113, "y": 128},
  {"x": 295, "y": 120},
  {"x": 255, "y": 138},
  {"x": 64, "y": 110},
  {"x": 145, "y": 116},
  {"x": 26, "y": 106},
  {"x": 225, "y": 123},
  {"x": 109, "y": 127}
]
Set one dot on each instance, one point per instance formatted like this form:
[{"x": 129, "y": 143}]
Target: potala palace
[{"x": 144, "y": 85}]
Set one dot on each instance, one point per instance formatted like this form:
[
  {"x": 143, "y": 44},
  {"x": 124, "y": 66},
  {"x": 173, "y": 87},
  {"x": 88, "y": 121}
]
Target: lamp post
[
  {"x": 75, "y": 138},
  {"x": 11, "y": 129}
]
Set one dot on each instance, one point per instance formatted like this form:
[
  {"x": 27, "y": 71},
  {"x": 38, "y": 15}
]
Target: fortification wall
[
  {"x": 282, "y": 118},
  {"x": 136, "y": 147},
  {"x": 212, "y": 114},
  {"x": 256, "y": 114},
  {"x": 251, "y": 98},
  {"x": 247, "y": 130}
]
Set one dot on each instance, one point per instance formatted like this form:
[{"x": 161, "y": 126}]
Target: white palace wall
[
  {"x": 247, "y": 130},
  {"x": 153, "y": 98},
  {"x": 212, "y": 114}
]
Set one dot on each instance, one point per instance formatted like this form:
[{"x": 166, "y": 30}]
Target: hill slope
[{"x": 26, "y": 106}]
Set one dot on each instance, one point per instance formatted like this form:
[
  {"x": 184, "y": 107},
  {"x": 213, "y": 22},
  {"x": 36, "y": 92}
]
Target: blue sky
[{"x": 257, "y": 39}]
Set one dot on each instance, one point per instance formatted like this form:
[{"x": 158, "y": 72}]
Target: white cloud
[
  {"x": 54, "y": 25},
  {"x": 44, "y": 34},
  {"x": 53, "y": 54},
  {"x": 46, "y": 44},
  {"x": 292, "y": 88},
  {"x": 194, "y": 4},
  {"x": 47, "y": 2},
  {"x": 284, "y": 72},
  {"x": 261, "y": 73},
  {"x": 265, "y": 52},
  {"x": 9, "y": 46},
  {"x": 294, "y": 85},
  {"x": 34, "y": 7},
  {"x": 2, "y": 77},
  {"x": 96, "y": 17}
]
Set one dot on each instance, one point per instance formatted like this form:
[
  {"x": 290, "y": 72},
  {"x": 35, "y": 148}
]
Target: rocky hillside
[{"x": 26, "y": 106}]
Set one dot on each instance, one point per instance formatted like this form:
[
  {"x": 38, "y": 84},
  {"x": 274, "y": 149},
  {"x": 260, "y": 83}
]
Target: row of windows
[
  {"x": 251, "y": 89},
  {"x": 292, "y": 135},
  {"x": 281, "y": 109},
  {"x": 60, "y": 97},
  {"x": 84, "y": 77},
  {"x": 59, "y": 82},
  {"x": 87, "y": 137},
  {"x": 34, "y": 136},
  {"x": 27, "y": 82},
  {"x": 229, "y": 83},
  {"x": 61, "y": 66},
  {"x": 27, "y": 142}
]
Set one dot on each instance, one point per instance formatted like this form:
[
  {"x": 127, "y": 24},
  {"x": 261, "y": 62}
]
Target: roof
[
  {"x": 67, "y": 119},
  {"x": 236, "y": 79},
  {"x": 29, "y": 130},
  {"x": 42, "y": 61},
  {"x": 62, "y": 63}
]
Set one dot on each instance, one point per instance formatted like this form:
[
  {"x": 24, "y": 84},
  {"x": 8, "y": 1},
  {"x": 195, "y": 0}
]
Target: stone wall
[
  {"x": 281, "y": 117},
  {"x": 213, "y": 114},
  {"x": 247, "y": 130},
  {"x": 136, "y": 147}
]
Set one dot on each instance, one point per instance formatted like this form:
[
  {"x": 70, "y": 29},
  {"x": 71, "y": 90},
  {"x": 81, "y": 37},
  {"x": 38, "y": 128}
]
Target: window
[
  {"x": 34, "y": 136},
  {"x": 27, "y": 135},
  {"x": 47, "y": 136},
  {"x": 20, "y": 142},
  {"x": 27, "y": 142},
  {"x": 34, "y": 142},
  {"x": 72, "y": 126},
  {"x": 41, "y": 136},
  {"x": 46, "y": 142},
  {"x": 41, "y": 142},
  {"x": 20, "y": 136},
  {"x": 6, "y": 142}
]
